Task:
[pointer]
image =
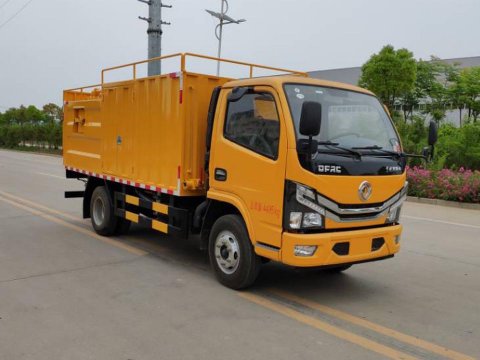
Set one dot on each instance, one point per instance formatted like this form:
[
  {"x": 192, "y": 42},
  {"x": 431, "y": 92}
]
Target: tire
[
  {"x": 231, "y": 253},
  {"x": 337, "y": 269},
  {"x": 102, "y": 214}
]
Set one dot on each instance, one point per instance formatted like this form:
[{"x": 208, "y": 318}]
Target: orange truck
[{"x": 287, "y": 168}]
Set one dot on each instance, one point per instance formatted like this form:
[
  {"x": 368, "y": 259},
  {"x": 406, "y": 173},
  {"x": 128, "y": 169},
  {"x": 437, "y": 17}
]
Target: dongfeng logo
[{"x": 365, "y": 191}]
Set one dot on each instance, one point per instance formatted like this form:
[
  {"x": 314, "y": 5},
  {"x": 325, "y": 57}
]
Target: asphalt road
[{"x": 66, "y": 293}]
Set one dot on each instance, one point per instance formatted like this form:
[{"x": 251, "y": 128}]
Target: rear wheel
[
  {"x": 102, "y": 214},
  {"x": 232, "y": 256}
]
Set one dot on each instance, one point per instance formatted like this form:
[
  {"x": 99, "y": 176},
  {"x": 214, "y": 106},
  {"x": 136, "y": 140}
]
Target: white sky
[{"x": 57, "y": 44}]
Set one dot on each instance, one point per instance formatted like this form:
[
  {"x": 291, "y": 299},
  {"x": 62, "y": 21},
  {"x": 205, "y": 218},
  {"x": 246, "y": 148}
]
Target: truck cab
[{"x": 314, "y": 169}]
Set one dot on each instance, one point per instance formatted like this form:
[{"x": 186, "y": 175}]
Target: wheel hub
[
  {"x": 98, "y": 211},
  {"x": 227, "y": 252}
]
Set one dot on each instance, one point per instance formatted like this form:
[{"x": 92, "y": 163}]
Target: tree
[
  {"x": 435, "y": 79},
  {"x": 471, "y": 82},
  {"x": 390, "y": 74},
  {"x": 457, "y": 94},
  {"x": 34, "y": 116},
  {"x": 424, "y": 83},
  {"x": 409, "y": 102},
  {"x": 10, "y": 116},
  {"x": 53, "y": 112},
  {"x": 32, "y": 125}
]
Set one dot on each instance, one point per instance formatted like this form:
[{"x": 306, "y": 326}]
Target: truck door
[
  {"x": 248, "y": 160},
  {"x": 119, "y": 129}
]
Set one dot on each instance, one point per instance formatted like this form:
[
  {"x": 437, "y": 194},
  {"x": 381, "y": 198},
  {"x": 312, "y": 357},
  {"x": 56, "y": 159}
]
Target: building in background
[{"x": 352, "y": 75}]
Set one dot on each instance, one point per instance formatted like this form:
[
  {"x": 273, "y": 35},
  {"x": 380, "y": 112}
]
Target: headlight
[
  {"x": 394, "y": 215},
  {"x": 312, "y": 220},
  {"x": 301, "y": 208},
  {"x": 306, "y": 196},
  {"x": 295, "y": 220}
]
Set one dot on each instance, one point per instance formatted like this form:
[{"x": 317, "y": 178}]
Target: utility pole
[
  {"x": 224, "y": 20},
  {"x": 154, "y": 32}
]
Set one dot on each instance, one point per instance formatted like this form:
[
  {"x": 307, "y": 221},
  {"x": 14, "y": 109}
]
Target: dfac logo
[
  {"x": 365, "y": 191},
  {"x": 335, "y": 169}
]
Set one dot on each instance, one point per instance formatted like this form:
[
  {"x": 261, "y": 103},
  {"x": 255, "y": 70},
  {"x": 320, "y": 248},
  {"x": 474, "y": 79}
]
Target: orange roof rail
[
  {"x": 83, "y": 88},
  {"x": 183, "y": 59}
]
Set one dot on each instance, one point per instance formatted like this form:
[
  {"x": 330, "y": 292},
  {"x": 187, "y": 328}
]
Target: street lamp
[{"x": 224, "y": 19}]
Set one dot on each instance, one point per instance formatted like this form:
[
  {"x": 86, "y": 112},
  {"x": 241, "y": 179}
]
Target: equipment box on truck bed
[{"x": 148, "y": 131}]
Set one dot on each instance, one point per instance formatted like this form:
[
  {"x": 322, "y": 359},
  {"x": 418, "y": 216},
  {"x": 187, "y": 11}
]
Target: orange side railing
[{"x": 183, "y": 65}]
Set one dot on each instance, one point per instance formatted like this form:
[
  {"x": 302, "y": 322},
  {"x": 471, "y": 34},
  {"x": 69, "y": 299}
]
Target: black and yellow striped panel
[
  {"x": 154, "y": 224},
  {"x": 129, "y": 199},
  {"x": 155, "y": 206},
  {"x": 131, "y": 216},
  {"x": 160, "y": 208},
  {"x": 143, "y": 220}
]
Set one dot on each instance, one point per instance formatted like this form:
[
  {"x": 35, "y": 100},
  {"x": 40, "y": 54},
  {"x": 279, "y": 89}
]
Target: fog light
[
  {"x": 305, "y": 250},
  {"x": 312, "y": 220},
  {"x": 397, "y": 239},
  {"x": 295, "y": 220}
]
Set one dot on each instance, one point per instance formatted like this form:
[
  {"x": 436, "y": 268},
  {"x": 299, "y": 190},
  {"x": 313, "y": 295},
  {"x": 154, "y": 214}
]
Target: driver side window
[{"x": 252, "y": 122}]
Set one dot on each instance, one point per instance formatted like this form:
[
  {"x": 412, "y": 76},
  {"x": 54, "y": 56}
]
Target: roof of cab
[{"x": 278, "y": 81}]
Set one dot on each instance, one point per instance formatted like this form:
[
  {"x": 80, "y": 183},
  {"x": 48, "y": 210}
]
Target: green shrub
[
  {"x": 459, "y": 147},
  {"x": 456, "y": 147}
]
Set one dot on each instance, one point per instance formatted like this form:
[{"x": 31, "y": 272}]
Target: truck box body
[{"x": 148, "y": 131}]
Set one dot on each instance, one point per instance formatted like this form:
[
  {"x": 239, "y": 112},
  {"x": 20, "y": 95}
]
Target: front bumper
[{"x": 363, "y": 245}]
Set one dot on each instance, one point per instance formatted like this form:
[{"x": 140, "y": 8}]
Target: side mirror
[
  {"x": 307, "y": 147},
  {"x": 432, "y": 133},
  {"x": 310, "y": 118},
  {"x": 428, "y": 151}
]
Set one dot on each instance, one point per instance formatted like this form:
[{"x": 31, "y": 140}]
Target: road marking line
[
  {"x": 76, "y": 228},
  {"x": 330, "y": 329},
  {"x": 51, "y": 175},
  {"x": 441, "y": 221},
  {"x": 39, "y": 206},
  {"x": 434, "y": 348}
]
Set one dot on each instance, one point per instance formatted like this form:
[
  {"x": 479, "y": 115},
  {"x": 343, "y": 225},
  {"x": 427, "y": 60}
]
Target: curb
[{"x": 454, "y": 204}]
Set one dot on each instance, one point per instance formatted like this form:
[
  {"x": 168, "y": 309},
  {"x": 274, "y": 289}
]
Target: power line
[
  {"x": 5, "y": 3},
  {"x": 15, "y": 15}
]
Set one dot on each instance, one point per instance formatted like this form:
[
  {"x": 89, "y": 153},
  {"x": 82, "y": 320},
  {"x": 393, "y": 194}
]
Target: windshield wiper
[
  {"x": 379, "y": 149},
  {"x": 336, "y": 146}
]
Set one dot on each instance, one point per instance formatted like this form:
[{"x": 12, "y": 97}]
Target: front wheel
[{"x": 232, "y": 256}]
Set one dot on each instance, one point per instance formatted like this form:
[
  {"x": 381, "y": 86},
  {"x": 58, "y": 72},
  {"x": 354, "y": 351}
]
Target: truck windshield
[{"x": 349, "y": 119}]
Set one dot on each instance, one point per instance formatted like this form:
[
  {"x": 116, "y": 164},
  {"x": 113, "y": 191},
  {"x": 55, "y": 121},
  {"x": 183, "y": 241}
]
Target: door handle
[{"x": 220, "y": 174}]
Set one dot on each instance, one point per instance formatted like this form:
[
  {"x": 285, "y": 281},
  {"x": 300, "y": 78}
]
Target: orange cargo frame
[{"x": 148, "y": 132}]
